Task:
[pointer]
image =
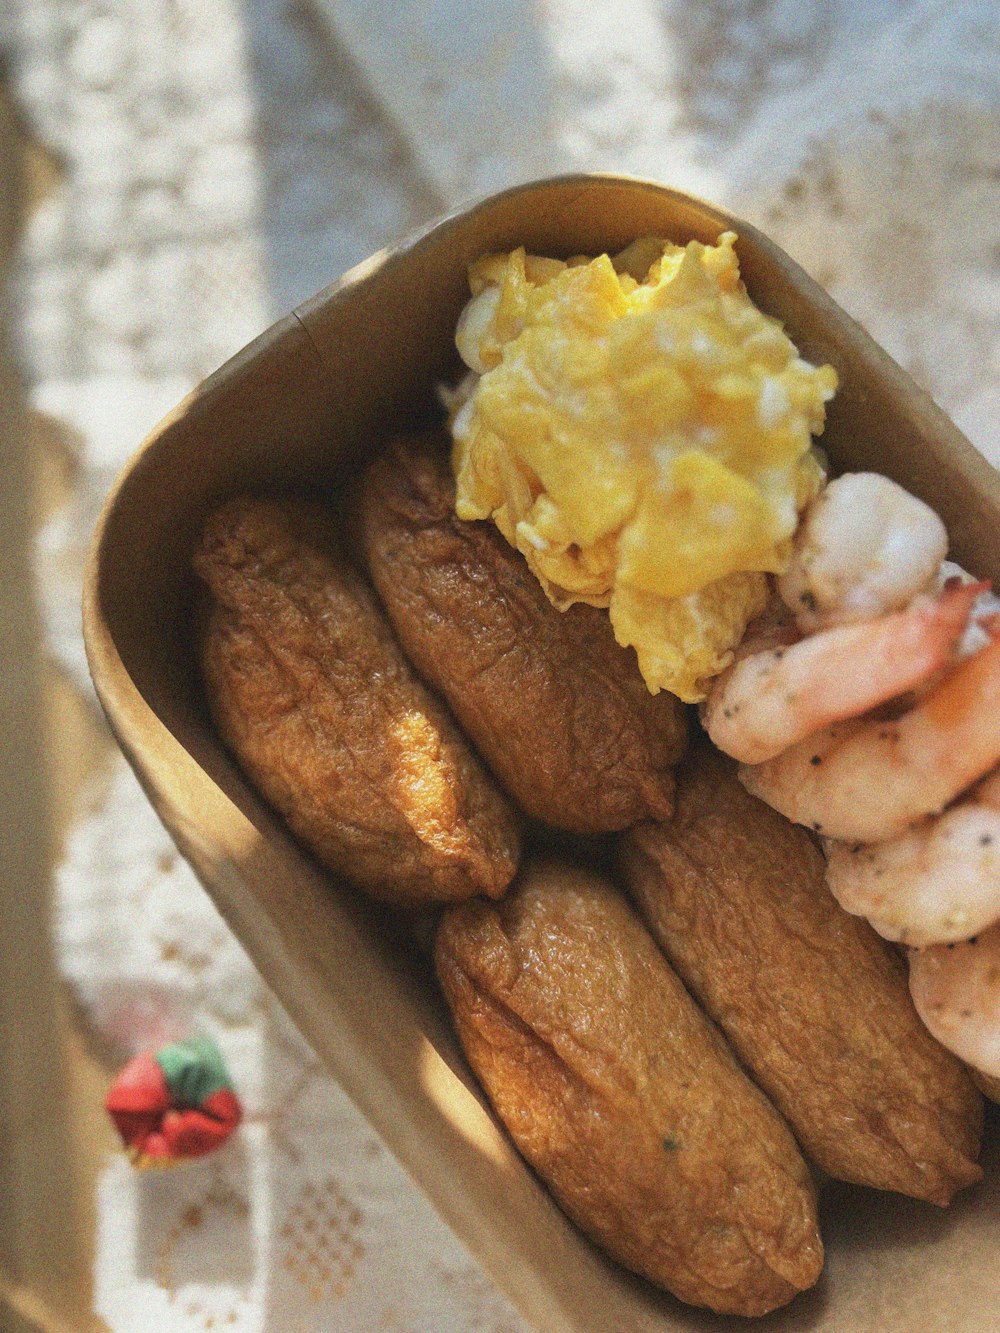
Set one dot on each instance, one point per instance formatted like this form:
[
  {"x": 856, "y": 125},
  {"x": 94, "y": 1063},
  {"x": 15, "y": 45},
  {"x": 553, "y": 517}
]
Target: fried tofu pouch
[
  {"x": 814, "y": 1003},
  {"x": 623, "y": 1096},
  {"x": 558, "y": 710},
  {"x": 987, "y": 1084},
  {"x": 309, "y": 689}
]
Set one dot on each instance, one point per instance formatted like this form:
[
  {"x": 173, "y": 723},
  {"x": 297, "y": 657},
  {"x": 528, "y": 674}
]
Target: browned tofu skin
[
  {"x": 815, "y": 1004},
  {"x": 987, "y": 1084},
  {"x": 623, "y": 1096},
  {"x": 558, "y": 710},
  {"x": 309, "y": 689}
]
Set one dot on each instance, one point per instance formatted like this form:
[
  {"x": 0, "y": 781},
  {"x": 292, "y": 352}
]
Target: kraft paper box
[{"x": 307, "y": 404}]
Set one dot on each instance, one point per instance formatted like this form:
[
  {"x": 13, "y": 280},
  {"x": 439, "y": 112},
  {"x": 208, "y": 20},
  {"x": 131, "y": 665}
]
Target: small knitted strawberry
[{"x": 176, "y": 1104}]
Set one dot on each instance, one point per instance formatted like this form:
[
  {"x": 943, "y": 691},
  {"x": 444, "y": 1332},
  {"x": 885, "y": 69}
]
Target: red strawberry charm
[{"x": 174, "y": 1105}]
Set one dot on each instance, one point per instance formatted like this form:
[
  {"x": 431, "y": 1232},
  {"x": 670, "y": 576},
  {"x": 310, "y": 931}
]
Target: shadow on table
[{"x": 194, "y": 1223}]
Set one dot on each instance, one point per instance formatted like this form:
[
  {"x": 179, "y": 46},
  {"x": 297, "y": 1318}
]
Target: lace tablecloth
[{"x": 223, "y": 161}]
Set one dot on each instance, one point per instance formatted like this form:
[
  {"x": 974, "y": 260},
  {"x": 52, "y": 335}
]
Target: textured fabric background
[{"x": 222, "y": 161}]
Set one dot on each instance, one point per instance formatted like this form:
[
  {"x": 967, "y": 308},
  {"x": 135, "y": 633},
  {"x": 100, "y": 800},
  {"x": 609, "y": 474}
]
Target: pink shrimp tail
[{"x": 959, "y": 599}]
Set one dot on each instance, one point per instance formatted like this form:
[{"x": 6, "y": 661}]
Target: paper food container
[{"x": 306, "y": 404}]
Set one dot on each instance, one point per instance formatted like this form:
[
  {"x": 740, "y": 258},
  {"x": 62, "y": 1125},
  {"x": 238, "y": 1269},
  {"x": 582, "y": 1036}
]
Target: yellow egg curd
[{"x": 642, "y": 433}]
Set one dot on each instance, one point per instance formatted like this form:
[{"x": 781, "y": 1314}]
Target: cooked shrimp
[
  {"x": 956, "y": 991},
  {"x": 984, "y": 609},
  {"x": 864, "y": 548},
  {"x": 771, "y": 698},
  {"x": 935, "y": 884},
  {"x": 867, "y": 779}
]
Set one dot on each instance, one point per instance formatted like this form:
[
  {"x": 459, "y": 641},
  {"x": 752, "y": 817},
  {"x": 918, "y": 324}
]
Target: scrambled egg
[{"x": 641, "y": 432}]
